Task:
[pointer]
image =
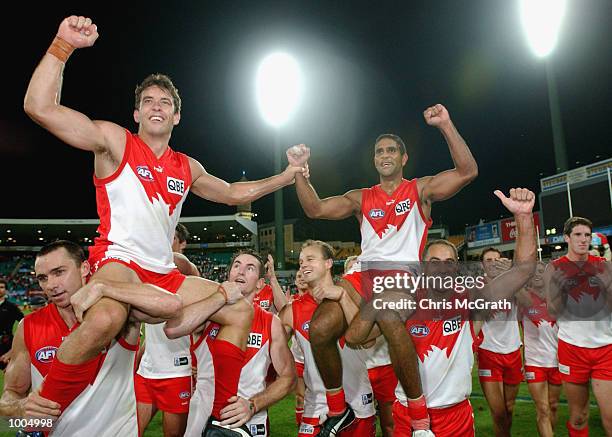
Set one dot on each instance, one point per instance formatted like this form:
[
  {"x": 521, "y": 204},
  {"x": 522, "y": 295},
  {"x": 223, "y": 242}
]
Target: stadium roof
[{"x": 205, "y": 231}]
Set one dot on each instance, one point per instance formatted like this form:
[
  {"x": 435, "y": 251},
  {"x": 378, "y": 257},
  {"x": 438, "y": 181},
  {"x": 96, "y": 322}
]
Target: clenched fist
[
  {"x": 79, "y": 32},
  {"x": 436, "y": 115}
]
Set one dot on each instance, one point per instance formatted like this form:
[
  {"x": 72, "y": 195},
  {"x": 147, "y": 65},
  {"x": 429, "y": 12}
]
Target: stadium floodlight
[
  {"x": 278, "y": 88},
  {"x": 542, "y": 20}
]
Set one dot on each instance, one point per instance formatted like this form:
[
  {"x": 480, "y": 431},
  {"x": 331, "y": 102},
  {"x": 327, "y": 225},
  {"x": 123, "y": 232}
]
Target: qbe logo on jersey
[
  {"x": 254, "y": 340},
  {"x": 45, "y": 354},
  {"x": 451, "y": 326},
  {"x": 175, "y": 186},
  {"x": 402, "y": 207}
]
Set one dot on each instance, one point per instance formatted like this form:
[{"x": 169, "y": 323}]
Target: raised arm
[
  {"x": 280, "y": 300},
  {"x": 506, "y": 285},
  {"x": 240, "y": 410},
  {"x": 42, "y": 99},
  {"x": 217, "y": 190},
  {"x": 448, "y": 183},
  {"x": 286, "y": 318},
  {"x": 330, "y": 208}
]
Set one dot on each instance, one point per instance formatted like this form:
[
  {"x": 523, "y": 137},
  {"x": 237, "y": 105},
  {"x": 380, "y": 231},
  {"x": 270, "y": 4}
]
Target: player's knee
[
  {"x": 543, "y": 410},
  {"x": 326, "y": 326},
  {"x": 579, "y": 419}
]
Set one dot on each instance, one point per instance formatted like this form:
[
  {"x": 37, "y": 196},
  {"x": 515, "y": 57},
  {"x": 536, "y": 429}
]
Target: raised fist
[
  {"x": 79, "y": 32},
  {"x": 436, "y": 115},
  {"x": 521, "y": 200},
  {"x": 298, "y": 155}
]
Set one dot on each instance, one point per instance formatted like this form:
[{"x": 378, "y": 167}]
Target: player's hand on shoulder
[
  {"x": 78, "y": 31},
  {"x": 436, "y": 115}
]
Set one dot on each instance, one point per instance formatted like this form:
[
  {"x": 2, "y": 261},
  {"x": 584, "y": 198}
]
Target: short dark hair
[
  {"x": 162, "y": 81},
  {"x": 326, "y": 249},
  {"x": 487, "y": 250},
  {"x": 253, "y": 253},
  {"x": 572, "y": 222},
  {"x": 441, "y": 242},
  {"x": 75, "y": 251},
  {"x": 4, "y": 281},
  {"x": 181, "y": 232},
  {"x": 395, "y": 138}
]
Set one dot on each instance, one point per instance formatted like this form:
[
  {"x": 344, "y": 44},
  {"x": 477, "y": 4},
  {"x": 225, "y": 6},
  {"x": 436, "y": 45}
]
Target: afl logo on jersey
[
  {"x": 306, "y": 326},
  {"x": 213, "y": 333},
  {"x": 184, "y": 395},
  {"x": 144, "y": 173},
  {"x": 402, "y": 207},
  {"x": 376, "y": 214},
  {"x": 419, "y": 331},
  {"x": 176, "y": 186},
  {"x": 45, "y": 354}
]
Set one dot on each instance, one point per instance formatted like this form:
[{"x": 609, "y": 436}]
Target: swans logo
[
  {"x": 45, "y": 354},
  {"x": 306, "y": 326}
]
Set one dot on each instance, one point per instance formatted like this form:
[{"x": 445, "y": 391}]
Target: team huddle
[{"x": 216, "y": 356}]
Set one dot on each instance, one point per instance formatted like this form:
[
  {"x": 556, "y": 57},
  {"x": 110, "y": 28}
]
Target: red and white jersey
[
  {"x": 164, "y": 357},
  {"x": 444, "y": 349},
  {"x": 378, "y": 355},
  {"x": 355, "y": 381},
  {"x": 107, "y": 407},
  {"x": 540, "y": 334},
  {"x": 500, "y": 332},
  {"x": 393, "y": 227},
  {"x": 586, "y": 321},
  {"x": 252, "y": 377},
  {"x": 201, "y": 403},
  {"x": 265, "y": 299},
  {"x": 139, "y": 206}
]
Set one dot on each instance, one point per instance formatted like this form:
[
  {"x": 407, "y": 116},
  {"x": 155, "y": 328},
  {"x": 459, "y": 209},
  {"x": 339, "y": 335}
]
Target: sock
[
  {"x": 335, "y": 402},
  {"x": 299, "y": 412},
  {"x": 65, "y": 382},
  {"x": 573, "y": 432},
  {"x": 417, "y": 410}
]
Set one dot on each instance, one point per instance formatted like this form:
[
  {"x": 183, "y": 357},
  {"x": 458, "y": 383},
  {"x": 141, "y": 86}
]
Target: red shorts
[
  {"x": 299, "y": 368},
  {"x": 365, "y": 427},
  {"x": 542, "y": 374},
  {"x": 500, "y": 367},
  {"x": 170, "y": 394},
  {"x": 454, "y": 421},
  {"x": 170, "y": 281},
  {"x": 363, "y": 282},
  {"x": 579, "y": 364},
  {"x": 383, "y": 382}
]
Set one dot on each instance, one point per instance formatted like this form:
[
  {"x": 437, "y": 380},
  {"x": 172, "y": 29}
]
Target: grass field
[{"x": 282, "y": 417}]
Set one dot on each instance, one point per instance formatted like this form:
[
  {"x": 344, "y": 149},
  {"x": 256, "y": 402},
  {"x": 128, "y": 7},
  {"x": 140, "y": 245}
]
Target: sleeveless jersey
[
  {"x": 164, "y": 357},
  {"x": 355, "y": 379},
  {"x": 393, "y": 227},
  {"x": 252, "y": 377},
  {"x": 540, "y": 334},
  {"x": 585, "y": 322},
  {"x": 201, "y": 403},
  {"x": 444, "y": 350},
  {"x": 107, "y": 407},
  {"x": 500, "y": 333},
  {"x": 139, "y": 206},
  {"x": 265, "y": 299}
]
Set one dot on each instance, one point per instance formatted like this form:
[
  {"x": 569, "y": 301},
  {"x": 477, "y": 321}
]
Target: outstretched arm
[
  {"x": 449, "y": 182},
  {"x": 42, "y": 99},
  {"x": 217, "y": 190},
  {"x": 280, "y": 300}
]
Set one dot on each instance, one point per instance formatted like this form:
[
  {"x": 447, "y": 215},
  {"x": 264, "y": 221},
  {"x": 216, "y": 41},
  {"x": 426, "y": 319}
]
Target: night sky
[{"x": 367, "y": 70}]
